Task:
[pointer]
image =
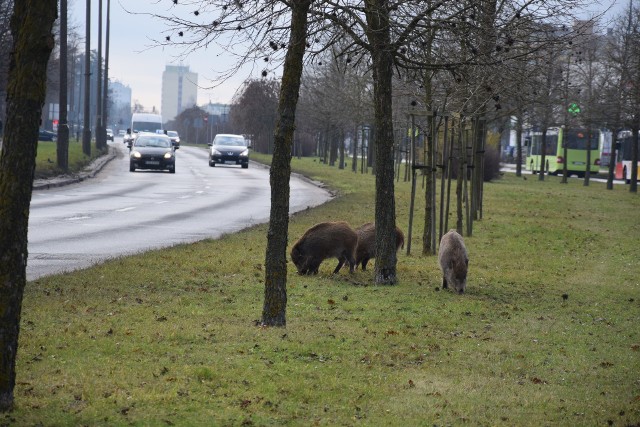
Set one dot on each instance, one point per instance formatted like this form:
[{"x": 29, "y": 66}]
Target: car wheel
[
  {"x": 172, "y": 170},
  {"x": 245, "y": 165},
  {"x": 212, "y": 163},
  {"x": 132, "y": 168}
]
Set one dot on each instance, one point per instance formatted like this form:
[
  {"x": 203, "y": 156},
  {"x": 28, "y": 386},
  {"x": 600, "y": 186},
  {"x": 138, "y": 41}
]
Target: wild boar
[
  {"x": 322, "y": 241},
  {"x": 454, "y": 261},
  {"x": 367, "y": 243}
]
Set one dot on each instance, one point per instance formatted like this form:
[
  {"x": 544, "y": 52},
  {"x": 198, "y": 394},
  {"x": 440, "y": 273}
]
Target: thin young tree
[{"x": 31, "y": 26}]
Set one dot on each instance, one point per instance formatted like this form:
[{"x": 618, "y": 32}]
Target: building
[
  {"x": 179, "y": 91},
  {"x": 119, "y": 106}
]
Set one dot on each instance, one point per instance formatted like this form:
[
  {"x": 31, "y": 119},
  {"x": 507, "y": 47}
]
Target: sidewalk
[{"x": 88, "y": 172}]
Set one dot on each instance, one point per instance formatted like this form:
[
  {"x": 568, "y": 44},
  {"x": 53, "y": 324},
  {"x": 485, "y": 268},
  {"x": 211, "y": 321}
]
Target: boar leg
[
  {"x": 444, "y": 283},
  {"x": 364, "y": 263}
]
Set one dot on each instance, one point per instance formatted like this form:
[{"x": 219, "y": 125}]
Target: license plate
[
  {"x": 578, "y": 163},
  {"x": 152, "y": 162}
]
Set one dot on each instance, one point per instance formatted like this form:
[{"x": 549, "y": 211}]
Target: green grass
[
  {"x": 46, "y": 158},
  {"x": 546, "y": 335}
]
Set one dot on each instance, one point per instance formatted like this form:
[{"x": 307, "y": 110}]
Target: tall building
[
  {"x": 119, "y": 116},
  {"x": 179, "y": 90}
]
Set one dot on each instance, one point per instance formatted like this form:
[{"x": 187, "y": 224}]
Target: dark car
[
  {"x": 46, "y": 135},
  {"x": 152, "y": 151},
  {"x": 175, "y": 138},
  {"x": 228, "y": 148}
]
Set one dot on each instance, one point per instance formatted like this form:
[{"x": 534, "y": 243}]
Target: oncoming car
[
  {"x": 175, "y": 138},
  {"x": 228, "y": 148},
  {"x": 152, "y": 151}
]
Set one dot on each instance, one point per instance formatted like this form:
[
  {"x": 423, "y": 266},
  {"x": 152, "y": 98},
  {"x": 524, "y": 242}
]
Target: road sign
[{"x": 574, "y": 108}]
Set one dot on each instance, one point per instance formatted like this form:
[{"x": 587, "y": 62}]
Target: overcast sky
[{"x": 134, "y": 62}]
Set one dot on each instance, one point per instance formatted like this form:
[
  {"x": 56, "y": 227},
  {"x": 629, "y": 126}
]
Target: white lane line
[
  {"x": 125, "y": 209},
  {"x": 77, "y": 218}
]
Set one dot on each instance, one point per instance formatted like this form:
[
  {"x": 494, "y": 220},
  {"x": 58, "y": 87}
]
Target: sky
[{"x": 136, "y": 63}]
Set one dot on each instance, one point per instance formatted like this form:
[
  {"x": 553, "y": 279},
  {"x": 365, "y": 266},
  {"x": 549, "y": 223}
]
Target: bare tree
[
  {"x": 31, "y": 27},
  {"x": 267, "y": 30},
  {"x": 253, "y": 111}
]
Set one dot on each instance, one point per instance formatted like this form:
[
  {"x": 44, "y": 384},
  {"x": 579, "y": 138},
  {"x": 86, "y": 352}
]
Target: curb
[{"x": 88, "y": 172}]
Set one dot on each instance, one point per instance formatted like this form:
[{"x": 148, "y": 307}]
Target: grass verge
[
  {"x": 546, "y": 335},
  {"x": 46, "y": 158}
]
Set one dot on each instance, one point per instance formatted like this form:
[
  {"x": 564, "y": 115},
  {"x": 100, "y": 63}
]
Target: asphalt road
[{"x": 120, "y": 213}]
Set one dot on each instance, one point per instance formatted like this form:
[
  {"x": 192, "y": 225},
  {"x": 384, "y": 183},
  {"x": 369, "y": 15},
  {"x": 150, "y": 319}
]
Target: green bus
[{"x": 576, "y": 141}]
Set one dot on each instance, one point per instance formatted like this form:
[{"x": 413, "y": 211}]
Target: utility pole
[
  {"x": 105, "y": 96},
  {"x": 62, "y": 146},
  {"x": 100, "y": 133},
  {"x": 86, "y": 128}
]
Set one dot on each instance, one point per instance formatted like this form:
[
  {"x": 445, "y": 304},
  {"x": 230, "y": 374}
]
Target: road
[{"x": 120, "y": 213}]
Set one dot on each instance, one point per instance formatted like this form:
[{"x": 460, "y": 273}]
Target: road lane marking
[{"x": 77, "y": 218}]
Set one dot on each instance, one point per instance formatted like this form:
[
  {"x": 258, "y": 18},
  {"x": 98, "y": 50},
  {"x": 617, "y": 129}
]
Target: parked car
[
  {"x": 122, "y": 132},
  {"x": 47, "y": 135},
  {"x": 109, "y": 134},
  {"x": 228, "y": 148},
  {"x": 175, "y": 138},
  {"x": 152, "y": 151}
]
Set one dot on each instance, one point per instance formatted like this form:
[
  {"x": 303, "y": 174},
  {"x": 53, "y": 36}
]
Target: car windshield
[
  {"x": 152, "y": 141},
  {"x": 172, "y": 133},
  {"x": 229, "y": 140}
]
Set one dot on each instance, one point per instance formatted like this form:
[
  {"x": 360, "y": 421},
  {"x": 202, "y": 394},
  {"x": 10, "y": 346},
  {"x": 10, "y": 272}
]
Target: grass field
[
  {"x": 46, "y": 159},
  {"x": 547, "y": 333}
]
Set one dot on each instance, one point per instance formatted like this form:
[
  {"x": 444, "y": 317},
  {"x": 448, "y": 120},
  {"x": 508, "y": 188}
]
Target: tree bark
[
  {"x": 378, "y": 33},
  {"x": 31, "y": 26},
  {"x": 275, "y": 288}
]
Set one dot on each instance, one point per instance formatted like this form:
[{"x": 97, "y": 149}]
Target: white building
[
  {"x": 179, "y": 91},
  {"x": 119, "y": 116}
]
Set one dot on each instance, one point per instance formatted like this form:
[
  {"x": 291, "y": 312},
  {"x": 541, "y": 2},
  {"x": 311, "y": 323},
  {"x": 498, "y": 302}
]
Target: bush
[{"x": 491, "y": 165}]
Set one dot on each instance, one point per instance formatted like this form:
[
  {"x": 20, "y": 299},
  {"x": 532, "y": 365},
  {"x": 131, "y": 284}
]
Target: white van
[{"x": 146, "y": 122}]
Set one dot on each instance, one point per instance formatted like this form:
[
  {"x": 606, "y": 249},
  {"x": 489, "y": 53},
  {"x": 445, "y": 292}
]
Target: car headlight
[
  {"x": 215, "y": 152},
  {"x": 136, "y": 154},
  {"x": 245, "y": 153},
  {"x": 168, "y": 155}
]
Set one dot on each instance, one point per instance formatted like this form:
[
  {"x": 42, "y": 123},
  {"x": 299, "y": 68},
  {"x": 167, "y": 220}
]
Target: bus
[
  {"x": 623, "y": 156},
  {"x": 576, "y": 140}
]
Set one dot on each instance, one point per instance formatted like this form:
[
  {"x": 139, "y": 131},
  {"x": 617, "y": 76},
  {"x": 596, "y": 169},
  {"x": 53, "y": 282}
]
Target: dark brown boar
[
  {"x": 367, "y": 243},
  {"x": 454, "y": 261},
  {"x": 322, "y": 241}
]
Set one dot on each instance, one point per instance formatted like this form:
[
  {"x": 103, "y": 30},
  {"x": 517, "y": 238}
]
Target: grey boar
[
  {"x": 454, "y": 261},
  {"x": 367, "y": 243},
  {"x": 322, "y": 241}
]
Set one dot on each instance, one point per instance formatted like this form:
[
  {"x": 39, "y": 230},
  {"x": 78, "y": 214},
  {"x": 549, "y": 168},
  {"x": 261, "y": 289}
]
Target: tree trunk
[
  {"x": 519, "y": 146},
  {"x": 543, "y": 153},
  {"x": 31, "y": 26},
  {"x": 275, "y": 287},
  {"x": 633, "y": 184},
  {"x": 377, "y": 15}
]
